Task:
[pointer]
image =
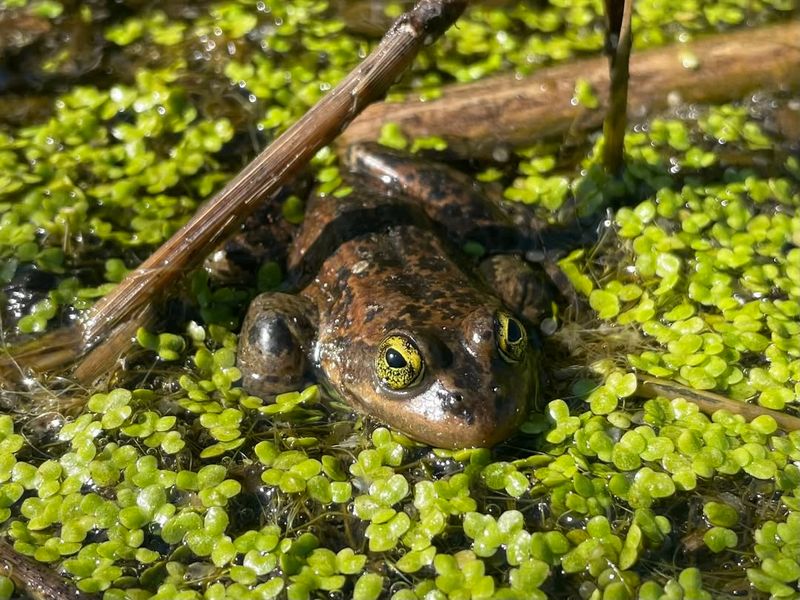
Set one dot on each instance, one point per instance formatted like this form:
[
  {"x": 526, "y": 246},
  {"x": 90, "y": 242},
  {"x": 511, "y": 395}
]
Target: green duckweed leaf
[
  {"x": 719, "y": 538},
  {"x": 605, "y": 303},
  {"x": 368, "y": 587},
  {"x": 719, "y": 514}
]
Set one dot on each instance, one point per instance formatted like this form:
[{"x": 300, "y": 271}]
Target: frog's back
[
  {"x": 366, "y": 254},
  {"x": 393, "y": 189}
]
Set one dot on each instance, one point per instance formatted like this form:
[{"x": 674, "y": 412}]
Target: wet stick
[
  {"x": 34, "y": 579},
  {"x": 709, "y": 402},
  {"x": 618, "y": 47},
  {"x": 117, "y": 313},
  {"x": 505, "y": 111}
]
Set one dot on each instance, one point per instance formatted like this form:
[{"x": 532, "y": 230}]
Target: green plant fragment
[
  {"x": 720, "y": 538},
  {"x": 368, "y": 587}
]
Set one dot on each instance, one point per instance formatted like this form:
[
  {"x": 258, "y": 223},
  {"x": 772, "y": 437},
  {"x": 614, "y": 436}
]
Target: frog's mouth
[{"x": 448, "y": 417}]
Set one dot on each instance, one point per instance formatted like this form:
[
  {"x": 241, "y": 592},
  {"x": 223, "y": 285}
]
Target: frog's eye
[
  {"x": 399, "y": 362},
  {"x": 512, "y": 341}
]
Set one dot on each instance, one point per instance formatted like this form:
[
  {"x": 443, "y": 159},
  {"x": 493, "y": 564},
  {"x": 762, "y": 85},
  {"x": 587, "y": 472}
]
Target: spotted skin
[{"x": 378, "y": 264}]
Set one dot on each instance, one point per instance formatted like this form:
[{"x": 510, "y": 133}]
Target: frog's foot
[{"x": 274, "y": 344}]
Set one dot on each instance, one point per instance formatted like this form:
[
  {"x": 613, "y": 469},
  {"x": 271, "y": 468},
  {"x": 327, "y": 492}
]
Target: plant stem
[{"x": 618, "y": 38}]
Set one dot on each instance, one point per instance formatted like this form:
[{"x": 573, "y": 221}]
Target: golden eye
[
  {"x": 512, "y": 341},
  {"x": 399, "y": 362}
]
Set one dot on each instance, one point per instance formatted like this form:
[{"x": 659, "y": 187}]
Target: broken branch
[
  {"x": 709, "y": 402},
  {"x": 506, "y": 111}
]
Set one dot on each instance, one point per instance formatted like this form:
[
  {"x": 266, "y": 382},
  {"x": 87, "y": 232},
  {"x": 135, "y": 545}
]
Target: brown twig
[
  {"x": 261, "y": 178},
  {"x": 505, "y": 111},
  {"x": 618, "y": 42},
  {"x": 34, "y": 579},
  {"x": 709, "y": 402}
]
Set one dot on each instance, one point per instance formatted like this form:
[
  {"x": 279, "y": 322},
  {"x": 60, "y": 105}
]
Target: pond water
[{"x": 167, "y": 480}]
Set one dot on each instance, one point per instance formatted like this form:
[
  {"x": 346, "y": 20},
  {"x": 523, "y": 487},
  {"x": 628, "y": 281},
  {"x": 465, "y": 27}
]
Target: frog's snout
[
  {"x": 478, "y": 383},
  {"x": 453, "y": 404},
  {"x": 506, "y": 409},
  {"x": 482, "y": 416}
]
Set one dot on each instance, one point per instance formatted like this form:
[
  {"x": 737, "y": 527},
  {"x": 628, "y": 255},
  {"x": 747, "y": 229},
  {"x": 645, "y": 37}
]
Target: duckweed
[{"x": 176, "y": 483}]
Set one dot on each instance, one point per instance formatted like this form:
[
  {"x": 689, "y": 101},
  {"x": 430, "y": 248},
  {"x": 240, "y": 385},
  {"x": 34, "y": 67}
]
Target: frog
[{"x": 385, "y": 309}]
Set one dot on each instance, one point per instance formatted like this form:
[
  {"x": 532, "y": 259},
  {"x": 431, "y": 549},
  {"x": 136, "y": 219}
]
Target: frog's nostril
[
  {"x": 450, "y": 398},
  {"x": 453, "y": 403}
]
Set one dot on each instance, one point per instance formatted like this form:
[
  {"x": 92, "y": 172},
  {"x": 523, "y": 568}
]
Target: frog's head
[{"x": 466, "y": 382}]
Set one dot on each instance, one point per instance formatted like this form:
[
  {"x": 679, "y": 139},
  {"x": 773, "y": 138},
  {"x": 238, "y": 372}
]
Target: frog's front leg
[
  {"x": 530, "y": 289},
  {"x": 276, "y": 340},
  {"x": 523, "y": 288}
]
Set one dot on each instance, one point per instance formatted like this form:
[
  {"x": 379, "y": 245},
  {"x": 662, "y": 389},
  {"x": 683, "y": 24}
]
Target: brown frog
[{"x": 389, "y": 314}]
